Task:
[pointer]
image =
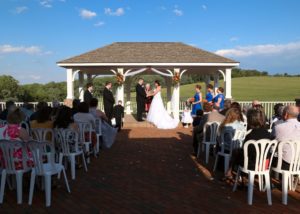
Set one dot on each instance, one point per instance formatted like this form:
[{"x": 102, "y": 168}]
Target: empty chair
[
  {"x": 14, "y": 161},
  {"x": 44, "y": 169},
  {"x": 291, "y": 175},
  {"x": 264, "y": 155},
  {"x": 68, "y": 143},
  {"x": 210, "y": 128}
]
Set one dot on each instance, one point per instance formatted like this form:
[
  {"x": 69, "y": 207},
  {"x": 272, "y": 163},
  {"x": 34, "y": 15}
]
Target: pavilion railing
[{"x": 268, "y": 105}]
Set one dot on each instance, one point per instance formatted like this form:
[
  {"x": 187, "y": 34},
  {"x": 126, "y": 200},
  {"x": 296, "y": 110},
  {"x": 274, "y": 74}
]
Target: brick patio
[{"x": 148, "y": 171}]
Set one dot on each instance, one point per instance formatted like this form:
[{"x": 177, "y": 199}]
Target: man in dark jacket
[
  {"x": 118, "y": 114},
  {"x": 87, "y": 96},
  {"x": 140, "y": 99},
  {"x": 108, "y": 100}
]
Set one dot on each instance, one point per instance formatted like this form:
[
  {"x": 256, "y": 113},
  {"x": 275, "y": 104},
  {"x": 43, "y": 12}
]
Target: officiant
[
  {"x": 108, "y": 100},
  {"x": 149, "y": 98}
]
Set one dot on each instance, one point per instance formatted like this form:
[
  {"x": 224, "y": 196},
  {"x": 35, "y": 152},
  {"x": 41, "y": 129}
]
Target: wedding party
[{"x": 149, "y": 106}]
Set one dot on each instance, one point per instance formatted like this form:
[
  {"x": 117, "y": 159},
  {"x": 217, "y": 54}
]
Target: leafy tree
[{"x": 8, "y": 88}]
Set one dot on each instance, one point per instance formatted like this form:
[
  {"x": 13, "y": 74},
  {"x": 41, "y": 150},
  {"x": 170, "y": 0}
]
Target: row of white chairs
[{"x": 265, "y": 150}]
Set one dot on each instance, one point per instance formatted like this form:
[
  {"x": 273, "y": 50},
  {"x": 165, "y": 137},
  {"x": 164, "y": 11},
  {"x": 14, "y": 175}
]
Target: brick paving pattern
[{"x": 148, "y": 171}]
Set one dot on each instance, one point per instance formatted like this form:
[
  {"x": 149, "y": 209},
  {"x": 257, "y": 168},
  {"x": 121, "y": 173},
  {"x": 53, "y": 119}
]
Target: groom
[{"x": 140, "y": 99}]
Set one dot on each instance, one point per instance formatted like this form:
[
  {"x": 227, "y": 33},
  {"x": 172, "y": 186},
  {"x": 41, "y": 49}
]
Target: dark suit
[
  {"x": 140, "y": 101},
  {"x": 118, "y": 113},
  {"x": 87, "y": 96},
  {"x": 108, "y": 101}
]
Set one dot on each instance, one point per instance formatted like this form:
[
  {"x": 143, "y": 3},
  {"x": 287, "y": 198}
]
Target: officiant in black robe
[
  {"x": 108, "y": 100},
  {"x": 140, "y": 99}
]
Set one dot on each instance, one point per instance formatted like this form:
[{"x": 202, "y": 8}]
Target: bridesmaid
[
  {"x": 219, "y": 98},
  {"x": 197, "y": 100}
]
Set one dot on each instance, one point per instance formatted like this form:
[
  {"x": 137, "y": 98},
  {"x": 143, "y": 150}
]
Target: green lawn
[{"x": 261, "y": 88}]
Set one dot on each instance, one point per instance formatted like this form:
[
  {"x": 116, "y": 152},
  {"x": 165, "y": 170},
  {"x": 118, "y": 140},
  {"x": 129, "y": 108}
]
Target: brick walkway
[{"x": 148, "y": 171}]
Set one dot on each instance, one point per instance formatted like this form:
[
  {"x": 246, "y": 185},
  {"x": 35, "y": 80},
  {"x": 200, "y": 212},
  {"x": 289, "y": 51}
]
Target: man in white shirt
[{"x": 288, "y": 130}]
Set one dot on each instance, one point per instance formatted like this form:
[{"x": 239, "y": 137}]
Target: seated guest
[
  {"x": 43, "y": 119},
  {"x": 96, "y": 112},
  {"x": 227, "y": 105},
  {"x": 4, "y": 113},
  {"x": 64, "y": 119},
  {"x": 13, "y": 131},
  {"x": 233, "y": 120},
  {"x": 278, "y": 110},
  {"x": 238, "y": 106},
  {"x": 219, "y": 99},
  {"x": 210, "y": 93},
  {"x": 212, "y": 115},
  {"x": 39, "y": 106},
  {"x": 288, "y": 130},
  {"x": 256, "y": 123},
  {"x": 256, "y": 104},
  {"x": 28, "y": 110},
  {"x": 118, "y": 114},
  {"x": 198, "y": 118},
  {"x": 83, "y": 114},
  {"x": 75, "y": 105}
]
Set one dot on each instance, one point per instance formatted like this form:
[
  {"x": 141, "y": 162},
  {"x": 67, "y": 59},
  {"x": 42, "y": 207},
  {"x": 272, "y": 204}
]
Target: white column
[
  {"x": 207, "y": 81},
  {"x": 228, "y": 83},
  {"x": 216, "y": 82},
  {"x": 89, "y": 78},
  {"x": 70, "y": 84},
  {"x": 169, "y": 93},
  {"x": 176, "y": 97},
  {"x": 127, "y": 105},
  {"x": 120, "y": 89},
  {"x": 80, "y": 85}
]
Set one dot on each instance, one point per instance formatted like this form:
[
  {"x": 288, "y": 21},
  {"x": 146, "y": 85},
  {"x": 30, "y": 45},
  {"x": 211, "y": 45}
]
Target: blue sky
[{"x": 35, "y": 34}]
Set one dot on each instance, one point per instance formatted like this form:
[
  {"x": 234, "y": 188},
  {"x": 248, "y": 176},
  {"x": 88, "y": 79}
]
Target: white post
[
  {"x": 120, "y": 89},
  {"x": 169, "y": 95},
  {"x": 80, "y": 83},
  {"x": 127, "y": 106},
  {"x": 216, "y": 82},
  {"x": 207, "y": 81},
  {"x": 176, "y": 94},
  {"x": 228, "y": 83},
  {"x": 70, "y": 84}
]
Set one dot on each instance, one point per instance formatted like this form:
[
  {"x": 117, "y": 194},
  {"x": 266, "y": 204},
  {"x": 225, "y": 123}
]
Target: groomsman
[
  {"x": 87, "y": 96},
  {"x": 140, "y": 99},
  {"x": 108, "y": 100}
]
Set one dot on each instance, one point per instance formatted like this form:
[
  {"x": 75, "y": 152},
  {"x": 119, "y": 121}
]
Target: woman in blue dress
[
  {"x": 219, "y": 98},
  {"x": 197, "y": 100},
  {"x": 210, "y": 93}
]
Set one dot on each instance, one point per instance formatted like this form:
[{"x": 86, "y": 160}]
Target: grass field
[{"x": 261, "y": 88}]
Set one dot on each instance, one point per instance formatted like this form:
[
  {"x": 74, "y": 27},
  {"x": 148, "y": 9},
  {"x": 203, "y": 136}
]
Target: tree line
[{"x": 11, "y": 89}]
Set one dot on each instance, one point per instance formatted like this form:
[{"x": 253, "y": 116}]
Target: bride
[{"x": 157, "y": 114}]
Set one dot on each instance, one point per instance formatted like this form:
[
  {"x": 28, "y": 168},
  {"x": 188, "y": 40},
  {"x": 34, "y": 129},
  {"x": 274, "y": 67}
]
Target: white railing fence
[{"x": 268, "y": 105}]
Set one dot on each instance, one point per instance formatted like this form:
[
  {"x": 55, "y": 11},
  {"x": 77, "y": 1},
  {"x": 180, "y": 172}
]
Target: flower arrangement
[
  {"x": 176, "y": 78},
  {"x": 119, "y": 78}
]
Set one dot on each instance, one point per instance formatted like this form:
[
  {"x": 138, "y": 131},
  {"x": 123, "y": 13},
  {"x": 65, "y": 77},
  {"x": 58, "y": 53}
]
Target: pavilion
[{"x": 169, "y": 59}]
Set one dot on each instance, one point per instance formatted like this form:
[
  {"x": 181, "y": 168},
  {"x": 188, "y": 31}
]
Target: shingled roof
[{"x": 147, "y": 52}]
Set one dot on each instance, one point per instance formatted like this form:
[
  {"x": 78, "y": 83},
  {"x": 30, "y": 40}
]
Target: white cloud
[
  {"x": 178, "y": 12},
  {"x": 204, "y": 7},
  {"x": 118, "y": 12},
  {"x": 35, "y": 77},
  {"x": 266, "y": 49},
  {"x": 87, "y": 14},
  {"x": 234, "y": 39},
  {"x": 19, "y": 49},
  {"x": 46, "y": 3},
  {"x": 99, "y": 24},
  {"x": 20, "y": 10}
]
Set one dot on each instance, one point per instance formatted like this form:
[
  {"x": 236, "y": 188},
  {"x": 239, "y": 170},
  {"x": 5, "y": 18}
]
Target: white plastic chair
[
  {"x": 68, "y": 142},
  {"x": 45, "y": 169},
  {"x": 25, "y": 125},
  {"x": 213, "y": 127},
  {"x": 98, "y": 130},
  {"x": 85, "y": 137},
  {"x": 43, "y": 134},
  {"x": 236, "y": 138},
  {"x": 263, "y": 150},
  {"x": 288, "y": 176},
  {"x": 8, "y": 149}
]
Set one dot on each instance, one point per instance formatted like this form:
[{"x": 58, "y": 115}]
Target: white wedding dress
[{"x": 159, "y": 116}]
